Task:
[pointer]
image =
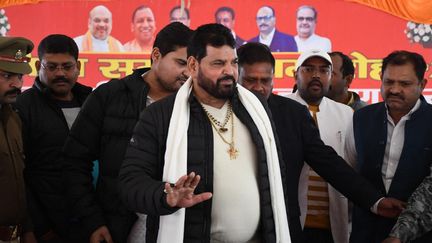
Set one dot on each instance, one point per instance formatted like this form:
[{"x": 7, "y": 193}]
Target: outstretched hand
[
  {"x": 182, "y": 194},
  {"x": 390, "y": 207}
]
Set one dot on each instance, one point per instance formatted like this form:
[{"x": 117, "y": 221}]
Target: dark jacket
[
  {"x": 281, "y": 42},
  {"x": 101, "y": 132},
  {"x": 300, "y": 142},
  {"x": 370, "y": 133},
  {"x": 141, "y": 174},
  {"x": 12, "y": 190},
  {"x": 44, "y": 132},
  {"x": 357, "y": 102}
]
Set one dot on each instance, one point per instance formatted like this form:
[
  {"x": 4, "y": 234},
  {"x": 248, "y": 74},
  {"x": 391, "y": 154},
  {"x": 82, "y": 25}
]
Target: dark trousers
[{"x": 313, "y": 235}]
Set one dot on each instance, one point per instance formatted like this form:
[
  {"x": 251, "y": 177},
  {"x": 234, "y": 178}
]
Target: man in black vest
[{"x": 390, "y": 142}]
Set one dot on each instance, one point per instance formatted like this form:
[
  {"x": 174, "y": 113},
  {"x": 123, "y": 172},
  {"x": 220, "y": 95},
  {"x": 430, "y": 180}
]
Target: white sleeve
[{"x": 350, "y": 149}]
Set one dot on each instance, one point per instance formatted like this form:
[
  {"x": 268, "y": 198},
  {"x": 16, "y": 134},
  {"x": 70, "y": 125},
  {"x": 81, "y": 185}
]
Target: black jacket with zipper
[{"x": 44, "y": 132}]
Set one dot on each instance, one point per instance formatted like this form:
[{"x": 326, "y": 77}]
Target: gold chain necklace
[
  {"x": 232, "y": 151},
  {"x": 221, "y": 126}
]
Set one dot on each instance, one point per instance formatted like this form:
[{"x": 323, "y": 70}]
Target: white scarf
[{"x": 171, "y": 227}]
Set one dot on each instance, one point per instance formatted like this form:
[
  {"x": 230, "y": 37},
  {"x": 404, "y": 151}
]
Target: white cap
[{"x": 312, "y": 53}]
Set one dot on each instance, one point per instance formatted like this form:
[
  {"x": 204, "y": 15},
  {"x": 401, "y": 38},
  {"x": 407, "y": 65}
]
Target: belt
[{"x": 9, "y": 233}]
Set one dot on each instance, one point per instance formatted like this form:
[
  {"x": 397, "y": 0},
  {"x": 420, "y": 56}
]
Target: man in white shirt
[
  {"x": 98, "y": 38},
  {"x": 306, "y": 38},
  {"x": 390, "y": 143}
]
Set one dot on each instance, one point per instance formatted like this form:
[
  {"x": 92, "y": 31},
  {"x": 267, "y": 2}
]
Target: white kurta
[{"x": 333, "y": 120}]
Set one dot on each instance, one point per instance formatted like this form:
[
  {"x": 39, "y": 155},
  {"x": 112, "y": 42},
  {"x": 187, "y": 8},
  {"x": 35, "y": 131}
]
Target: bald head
[{"x": 100, "y": 22}]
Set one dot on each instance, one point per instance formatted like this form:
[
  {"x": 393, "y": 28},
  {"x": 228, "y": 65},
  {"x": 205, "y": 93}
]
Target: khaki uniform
[{"x": 12, "y": 191}]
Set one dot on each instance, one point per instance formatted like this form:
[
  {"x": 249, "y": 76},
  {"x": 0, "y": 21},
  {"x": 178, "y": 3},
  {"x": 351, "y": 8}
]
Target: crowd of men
[{"x": 197, "y": 148}]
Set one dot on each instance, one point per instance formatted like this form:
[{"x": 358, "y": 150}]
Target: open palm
[{"x": 182, "y": 194}]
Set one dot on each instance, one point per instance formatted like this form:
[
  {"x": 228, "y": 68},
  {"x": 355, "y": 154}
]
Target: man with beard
[
  {"x": 390, "y": 142},
  {"x": 48, "y": 110},
  {"x": 98, "y": 38},
  {"x": 269, "y": 35},
  {"x": 300, "y": 142},
  {"x": 306, "y": 38},
  {"x": 14, "y": 218},
  {"x": 343, "y": 74},
  {"x": 143, "y": 26},
  {"x": 103, "y": 129},
  {"x": 324, "y": 211},
  {"x": 203, "y": 163}
]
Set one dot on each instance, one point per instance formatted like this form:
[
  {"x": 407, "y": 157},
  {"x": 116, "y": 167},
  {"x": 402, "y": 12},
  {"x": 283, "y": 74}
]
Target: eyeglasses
[
  {"x": 264, "y": 18},
  {"x": 310, "y": 70},
  {"x": 308, "y": 19},
  {"x": 10, "y": 76},
  {"x": 52, "y": 67}
]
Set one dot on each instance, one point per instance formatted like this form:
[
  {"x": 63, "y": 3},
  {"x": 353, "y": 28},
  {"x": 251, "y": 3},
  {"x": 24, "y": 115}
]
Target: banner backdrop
[{"x": 365, "y": 34}]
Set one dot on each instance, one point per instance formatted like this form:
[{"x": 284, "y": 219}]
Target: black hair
[
  {"x": 179, "y": 7},
  {"x": 215, "y": 35},
  {"x": 58, "y": 43},
  {"x": 254, "y": 52},
  {"x": 225, "y": 9},
  {"x": 347, "y": 67},
  {"x": 403, "y": 57},
  {"x": 173, "y": 36}
]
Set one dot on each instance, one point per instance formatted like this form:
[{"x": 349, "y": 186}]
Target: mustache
[
  {"x": 182, "y": 78},
  {"x": 261, "y": 25},
  {"x": 13, "y": 91},
  {"x": 395, "y": 96},
  {"x": 315, "y": 81},
  {"x": 60, "y": 80},
  {"x": 227, "y": 77}
]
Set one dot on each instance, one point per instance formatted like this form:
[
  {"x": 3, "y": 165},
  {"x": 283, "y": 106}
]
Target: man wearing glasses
[
  {"x": 306, "y": 38},
  {"x": 47, "y": 110},
  {"x": 324, "y": 211},
  {"x": 269, "y": 35}
]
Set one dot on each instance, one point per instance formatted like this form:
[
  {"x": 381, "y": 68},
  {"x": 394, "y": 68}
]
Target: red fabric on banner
[{"x": 418, "y": 11}]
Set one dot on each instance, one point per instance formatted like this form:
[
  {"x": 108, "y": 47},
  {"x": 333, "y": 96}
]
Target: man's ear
[
  {"x": 78, "y": 65},
  {"x": 349, "y": 78},
  {"x": 155, "y": 54},
  {"x": 192, "y": 65},
  {"x": 38, "y": 65},
  {"x": 423, "y": 83}
]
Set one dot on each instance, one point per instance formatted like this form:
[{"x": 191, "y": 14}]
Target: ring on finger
[{"x": 168, "y": 191}]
